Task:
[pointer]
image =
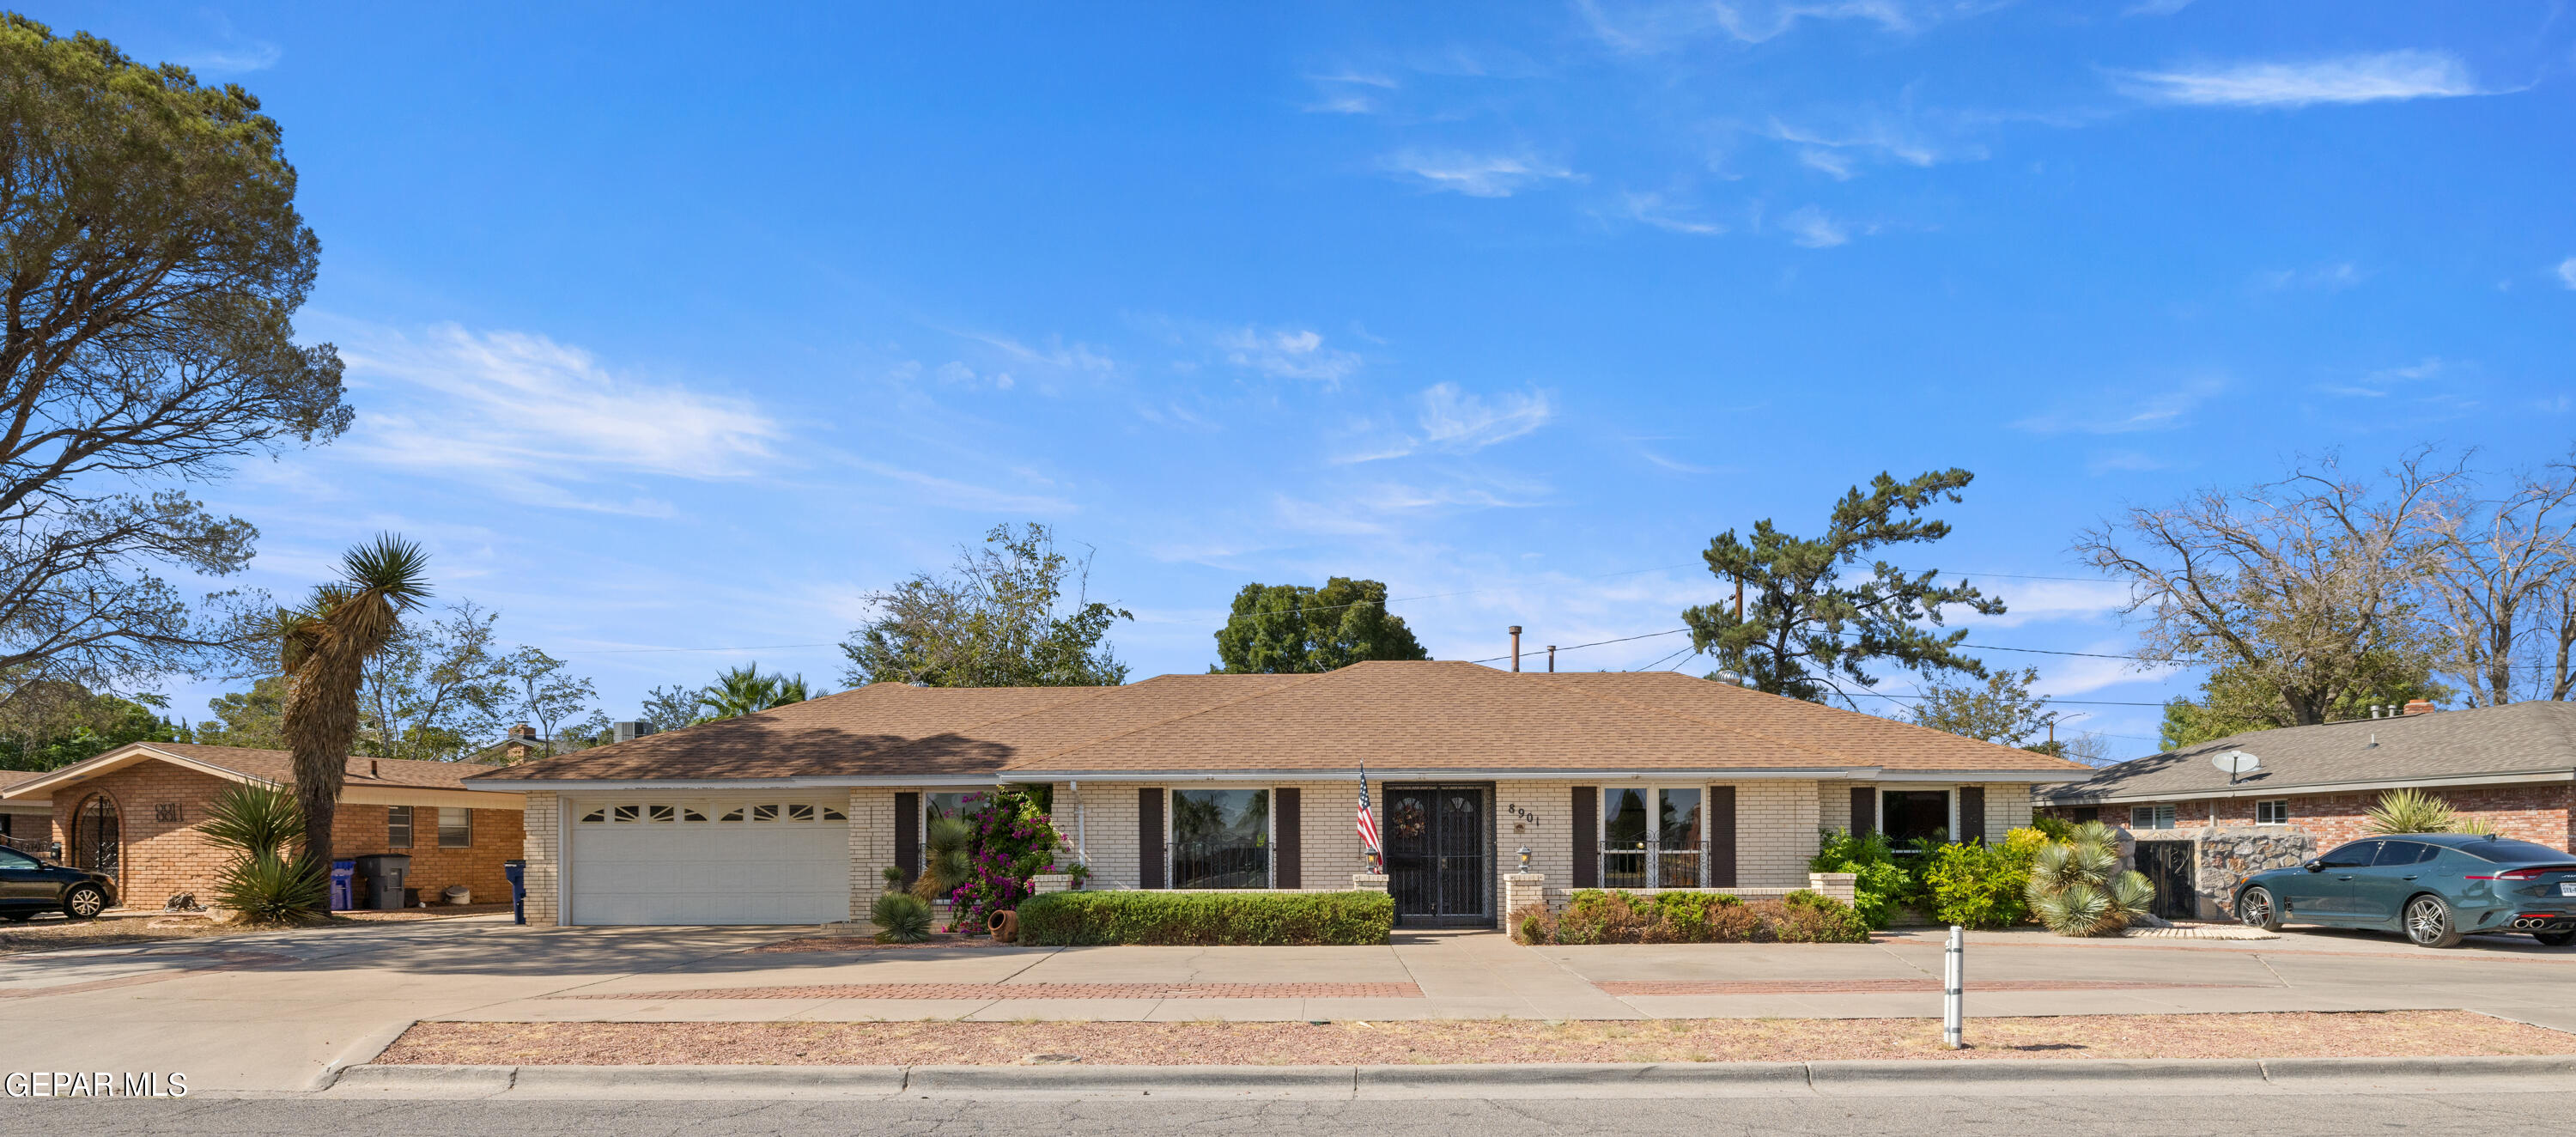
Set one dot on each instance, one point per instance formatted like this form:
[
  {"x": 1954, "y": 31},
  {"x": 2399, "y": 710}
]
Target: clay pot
[{"x": 1006, "y": 927}]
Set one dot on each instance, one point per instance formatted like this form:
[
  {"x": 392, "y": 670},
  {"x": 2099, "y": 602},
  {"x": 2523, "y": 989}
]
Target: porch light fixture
[{"x": 1524, "y": 858}]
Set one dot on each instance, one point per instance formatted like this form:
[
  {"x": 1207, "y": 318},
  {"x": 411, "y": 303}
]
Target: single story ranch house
[{"x": 1624, "y": 780}]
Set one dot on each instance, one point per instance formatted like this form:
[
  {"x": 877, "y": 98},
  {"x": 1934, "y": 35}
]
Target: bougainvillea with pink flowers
[{"x": 1013, "y": 841}]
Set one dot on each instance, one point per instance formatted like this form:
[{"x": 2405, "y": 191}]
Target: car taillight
[{"x": 2514, "y": 874}]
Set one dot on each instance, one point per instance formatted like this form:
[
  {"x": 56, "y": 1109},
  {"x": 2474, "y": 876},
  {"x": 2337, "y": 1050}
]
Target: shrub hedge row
[
  {"x": 1073, "y": 919},
  {"x": 1593, "y": 916}
]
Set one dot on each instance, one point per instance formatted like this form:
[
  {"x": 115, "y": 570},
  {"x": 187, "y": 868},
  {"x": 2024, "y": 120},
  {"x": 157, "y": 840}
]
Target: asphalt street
[{"x": 2217, "y": 1115}]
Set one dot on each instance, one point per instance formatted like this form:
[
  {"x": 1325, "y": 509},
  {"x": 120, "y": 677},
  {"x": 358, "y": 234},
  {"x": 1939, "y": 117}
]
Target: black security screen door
[
  {"x": 1437, "y": 865},
  {"x": 2167, "y": 865}
]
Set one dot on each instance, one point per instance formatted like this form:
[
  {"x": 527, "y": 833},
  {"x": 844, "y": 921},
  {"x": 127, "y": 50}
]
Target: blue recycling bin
[
  {"x": 342, "y": 876},
  {"x": 517, "y": 872}
]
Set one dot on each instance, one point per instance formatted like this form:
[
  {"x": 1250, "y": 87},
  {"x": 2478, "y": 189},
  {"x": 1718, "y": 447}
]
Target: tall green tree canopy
[
  {"x": 52, "y": 725},
  {"x": 1294, "y": 628},
  {"x": 744, "y": 690},
  {"x": 2001, "y": 710},
  {"x": 2236, "y": 699},
  {"x": 152, "y": 255},
  {"x": 1808, "y": 632},
  {"x": 1001, "y": 618},
  {"x": 252, "y": 718}
]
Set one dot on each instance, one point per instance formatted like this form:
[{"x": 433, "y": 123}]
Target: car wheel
[
  {"x": 84, "y": 901},
  {"x": 2429, "y": 923},
  {"x": 2555, "y": 939},
  {"x": 2257, "y": 909}
]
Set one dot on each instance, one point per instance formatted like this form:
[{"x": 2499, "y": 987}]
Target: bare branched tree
[
  {"x": 150, "y": 256},
  {"x": 2307, "y": 585},
  {"x": 2500, "y": 578}
]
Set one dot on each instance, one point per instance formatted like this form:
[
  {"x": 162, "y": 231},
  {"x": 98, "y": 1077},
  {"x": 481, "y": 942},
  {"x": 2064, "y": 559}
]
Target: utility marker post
[{"x": 1953, "y": 977}]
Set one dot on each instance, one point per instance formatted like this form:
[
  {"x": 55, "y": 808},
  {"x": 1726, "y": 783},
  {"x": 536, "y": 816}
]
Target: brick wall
[
  {"x": 871, "y": 846},
  {"x": 542, "y": 823},
  {"x": 162, "y": 858},
  {"x": 2542, "y": 813}
]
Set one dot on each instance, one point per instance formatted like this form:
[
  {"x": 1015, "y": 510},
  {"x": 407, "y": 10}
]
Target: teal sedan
[{"x": 2434, "y": 887}]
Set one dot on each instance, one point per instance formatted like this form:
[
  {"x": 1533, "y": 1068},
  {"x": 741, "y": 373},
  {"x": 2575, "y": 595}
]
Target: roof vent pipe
[
  {"x": 1516, "y": 647},
  {"x": 1551, "y": 659}
]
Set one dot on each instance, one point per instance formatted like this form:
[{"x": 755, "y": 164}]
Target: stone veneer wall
[{"x": 2543, "y": 813}]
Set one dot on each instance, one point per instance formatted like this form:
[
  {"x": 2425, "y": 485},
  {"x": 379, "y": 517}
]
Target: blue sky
[{"x": 678, "y": 328}]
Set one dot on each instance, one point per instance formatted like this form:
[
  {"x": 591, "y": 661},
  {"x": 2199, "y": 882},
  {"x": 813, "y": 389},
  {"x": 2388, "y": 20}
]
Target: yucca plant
[
  {"x": 323, "y": 649},
  {"x": 901, "y": 918},
  {"x": 2077, "y": 887},
  {"x": 943, "y": 861},
  {"x": 267, "y": 881},
  {"x": 2412, "y": 811}
]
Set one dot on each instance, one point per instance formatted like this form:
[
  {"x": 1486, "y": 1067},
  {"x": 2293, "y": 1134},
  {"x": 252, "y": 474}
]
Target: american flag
[{"x": 1368, "y": 824}]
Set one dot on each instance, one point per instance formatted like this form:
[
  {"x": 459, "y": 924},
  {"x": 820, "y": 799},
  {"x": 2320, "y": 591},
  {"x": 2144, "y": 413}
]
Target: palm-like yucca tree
[
  {"x": 744, "y": 690},
  {"x": 2077, "y": 887},
  {"x": 323, "y": 650}
]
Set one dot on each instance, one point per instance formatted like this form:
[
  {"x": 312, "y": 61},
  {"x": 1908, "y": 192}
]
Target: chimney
[
  {"x": 1516, "y": 647},
  {"x": 2419, "y": 706},
  {"x": 523, "y": 730},
  {"x": 371, "y": 769},
  {"x": 628, "y": 731},
  {"x": 1551, "y": 659}
]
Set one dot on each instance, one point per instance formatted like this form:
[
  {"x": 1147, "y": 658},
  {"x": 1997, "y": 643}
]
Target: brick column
[
  {"x": 543, "y": 850},
  {"x": 1839, "y": 885},
  {"x": 1522, "y": 889},
  {"x": 1368, "y": 881},
  {"x": 1046, "y": 882}
]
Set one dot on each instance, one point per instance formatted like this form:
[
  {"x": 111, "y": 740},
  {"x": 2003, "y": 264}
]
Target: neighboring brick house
[
  {"x": 133, "y": 813},
  {"x": 25, "y": 823},
  {"x": 2512, "y": 767},
  {"x": 1629, "y": 780}
]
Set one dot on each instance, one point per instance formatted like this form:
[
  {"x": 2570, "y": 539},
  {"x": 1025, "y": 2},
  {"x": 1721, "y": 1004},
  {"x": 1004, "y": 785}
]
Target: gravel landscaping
[{"x": 2388, "y": 1034}]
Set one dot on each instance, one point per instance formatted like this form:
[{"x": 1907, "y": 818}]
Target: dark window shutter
[
  {"x": 1149, "y": 838},
  {"x": 1972, "y": 814},
  {"x": 907, "y": 836},
  {"x": 1587, "y": 837},
  {"x": 1289, "y": 849},
  {"x": 1864, "y": 817},
  {"x": 1721, "y": 836}
]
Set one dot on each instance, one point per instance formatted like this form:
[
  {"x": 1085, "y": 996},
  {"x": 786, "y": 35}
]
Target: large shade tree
[
  {"x": 323, "y": 650},
  {"x": 150, "y": 258},
  {"x": 1817, "y": 617},
  {"x": 1002, "y": 617},
  {"x": 1299, "y": 628}
]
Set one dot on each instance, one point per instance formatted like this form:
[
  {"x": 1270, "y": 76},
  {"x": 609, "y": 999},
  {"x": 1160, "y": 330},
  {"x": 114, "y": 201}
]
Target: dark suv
[{"x": 29, "y": 886}]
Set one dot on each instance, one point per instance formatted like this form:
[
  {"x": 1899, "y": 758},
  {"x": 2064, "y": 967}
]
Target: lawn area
[{"x": 2385, "y": 1034}]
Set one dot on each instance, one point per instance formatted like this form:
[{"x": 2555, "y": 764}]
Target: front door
[
  {"x": 2167, "y": 865},
  {"x": 1437, "y": 865}
]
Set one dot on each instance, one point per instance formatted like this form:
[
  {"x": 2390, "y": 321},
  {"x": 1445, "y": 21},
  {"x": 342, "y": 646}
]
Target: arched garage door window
[{"x": 97, "y": 836}]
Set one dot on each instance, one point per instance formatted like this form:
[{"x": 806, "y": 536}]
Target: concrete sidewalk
[{"x": 270, "y": 1012}]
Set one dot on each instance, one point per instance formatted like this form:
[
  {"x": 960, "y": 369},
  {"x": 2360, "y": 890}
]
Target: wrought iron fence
[
  {"x": 1652, "y": 864},
  {"x": 1220, "y": 864}
]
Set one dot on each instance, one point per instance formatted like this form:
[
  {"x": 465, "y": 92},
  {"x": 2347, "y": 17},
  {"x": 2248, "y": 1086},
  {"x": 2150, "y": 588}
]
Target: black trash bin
[
  {"x": 380, "y": 879},
  {"x": 517, "y": 873}
]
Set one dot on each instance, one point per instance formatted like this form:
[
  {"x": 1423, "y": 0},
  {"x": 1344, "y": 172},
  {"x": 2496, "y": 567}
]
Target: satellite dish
[{"x": 2236, "y": 763}]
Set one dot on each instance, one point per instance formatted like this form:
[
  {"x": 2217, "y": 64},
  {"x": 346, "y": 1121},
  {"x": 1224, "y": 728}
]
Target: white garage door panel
[{"x": 707, "y": 871}]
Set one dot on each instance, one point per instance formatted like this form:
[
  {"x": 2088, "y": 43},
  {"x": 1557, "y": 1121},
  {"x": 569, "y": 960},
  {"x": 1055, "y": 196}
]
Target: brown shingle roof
[
  {"x": 2537, "y": 737},
  {"x": 1408, "y": 716},
  {"x": 279, "y": 766}
]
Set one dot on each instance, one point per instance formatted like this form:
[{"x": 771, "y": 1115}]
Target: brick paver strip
[
  {"x": 1877, "y": 986},
  {"x": 1038, "y": 991}
]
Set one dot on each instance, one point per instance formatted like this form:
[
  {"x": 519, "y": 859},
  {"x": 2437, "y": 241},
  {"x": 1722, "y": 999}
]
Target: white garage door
[{"x": 775, "y": 861}]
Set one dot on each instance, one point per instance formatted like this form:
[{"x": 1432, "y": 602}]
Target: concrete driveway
[{"x": 269, "y": 1012}]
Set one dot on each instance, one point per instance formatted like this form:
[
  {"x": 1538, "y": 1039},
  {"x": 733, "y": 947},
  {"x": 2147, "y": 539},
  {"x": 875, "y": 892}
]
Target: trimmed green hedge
[{"x": 1074, "y": 919}]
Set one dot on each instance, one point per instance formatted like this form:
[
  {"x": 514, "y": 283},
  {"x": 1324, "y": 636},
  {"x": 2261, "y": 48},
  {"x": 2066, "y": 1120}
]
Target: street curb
[
  {"x": 366, "y": 1050},
  {"x": 1488, "y": 1080}
]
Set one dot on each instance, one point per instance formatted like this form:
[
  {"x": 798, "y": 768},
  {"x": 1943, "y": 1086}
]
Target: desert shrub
[
  {"x": 1534, "y": 924},
  {"x": 1595, "y": 916},
  {"x": 267, "y": 880},
  {"x": 901, "y": 918},
  {"x": 1684, "y": 917},
  {"x": 1815, "y": 918},
  {"x": 1058, "y": 919},
  {"x": 2053, "y": 828},
  {"x": 2414, "y": 811},
  {"x": 1982, "y": 886},
  {"x": 2077, "y": 887},
  {"x": 1737, "y": 924}
]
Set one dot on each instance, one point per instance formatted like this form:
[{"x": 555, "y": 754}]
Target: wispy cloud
[
  {"x": 2123, "y": 462},
  {"x": 2161, "y": 411},
  {"x": 1651, "y": 209},
  {"x": 528, "y": 414},
  {"x": 1837, "y": 152},
  {"x": 1809, "y": 226},
  {"x": 2383, "y": 76},
  {"x": 2328, "y": 277},
  {"x": 2390, "y": 380},
  {"x": 955, "y": 494},
  {"x": 1661, "y": 25},
  {"x": 1287, "y": 354},
  {"x": 1456, "y": 420},
  {"x": 1056, "y": 355},
  {"x": 1476, "y": 175},
  {"x": 1348, "y": 92},
  {"x": 2567, "y": 272}
]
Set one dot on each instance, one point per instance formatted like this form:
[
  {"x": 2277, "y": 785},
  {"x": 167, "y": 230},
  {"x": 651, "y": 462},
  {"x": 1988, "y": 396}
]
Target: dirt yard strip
[
  {"x": 1877, "y": 986},
  {"x": 1037, "y": 991},
  {"x": 2360, "y": 1034}
]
